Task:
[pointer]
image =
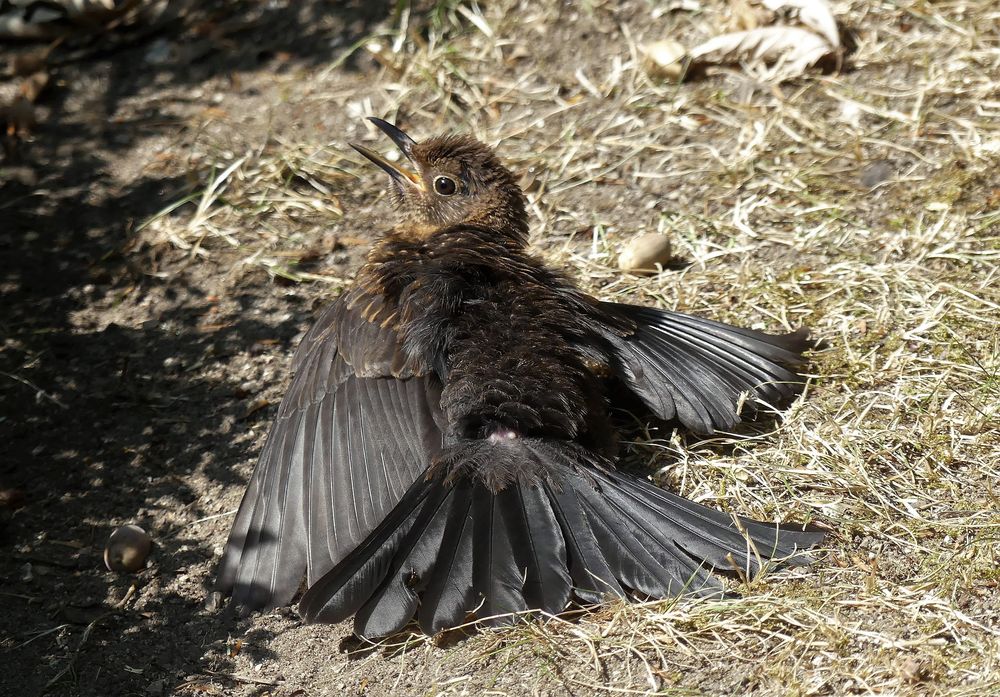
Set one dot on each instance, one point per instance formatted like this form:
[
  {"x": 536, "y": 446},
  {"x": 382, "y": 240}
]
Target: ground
[{"x": 187, "y": 203}]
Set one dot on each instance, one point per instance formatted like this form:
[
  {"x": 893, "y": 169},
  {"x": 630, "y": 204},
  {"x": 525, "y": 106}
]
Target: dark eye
[{"x": 445, "y": 186}]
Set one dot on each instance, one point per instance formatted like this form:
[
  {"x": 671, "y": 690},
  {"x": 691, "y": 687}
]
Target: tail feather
[
  {"x": 689, "y": 528},
  {"x": 630, "y": 538},
  {"x": 727, "y": 543},
  {"x": 496, "y": 578},
  {"x": 396, "y": 601},
  {"x": 561, "y": 523},
  {"x": 365, "y": 569},
  {"x": 592, "y": 574},
  {"x": 538, "y": 546},
  {"x": 449, "y": 593}
]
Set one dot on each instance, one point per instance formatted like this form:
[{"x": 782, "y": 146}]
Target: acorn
[{"x": 127, "y": 549}]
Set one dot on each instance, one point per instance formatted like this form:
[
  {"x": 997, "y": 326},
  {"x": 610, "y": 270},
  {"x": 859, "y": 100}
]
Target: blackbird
[{"x": 445, "y": 449}]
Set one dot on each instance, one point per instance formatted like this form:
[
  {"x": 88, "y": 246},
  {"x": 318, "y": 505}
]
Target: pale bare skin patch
[{"x": 502, "y": 435}]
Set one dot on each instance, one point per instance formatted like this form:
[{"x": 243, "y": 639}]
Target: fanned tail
[{"x": 496, "y": 529}]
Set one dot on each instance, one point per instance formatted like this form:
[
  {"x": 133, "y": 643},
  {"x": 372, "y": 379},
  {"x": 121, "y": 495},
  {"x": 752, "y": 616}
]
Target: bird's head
[{"x": 452, "y": 180}]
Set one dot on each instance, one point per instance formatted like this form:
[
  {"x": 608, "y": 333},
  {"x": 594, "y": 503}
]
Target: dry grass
[{"x": 772, "y": 194}]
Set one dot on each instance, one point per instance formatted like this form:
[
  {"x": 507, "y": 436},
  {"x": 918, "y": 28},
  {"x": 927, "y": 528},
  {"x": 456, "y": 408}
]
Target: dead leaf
[
  {"x": 34, "y": 85},
  {"x": 12, "y": 498},
  {"x": 19, "y": 116},
  {"x": 794, "y": 48},
  {"x": 214, "y": 112},
  {"x": 348, "y": 241},
  {"x": 256, "y": 406},
  {"x": 815, "y": 14}
]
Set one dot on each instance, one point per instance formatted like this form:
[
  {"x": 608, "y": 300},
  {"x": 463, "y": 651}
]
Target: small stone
[
  {"x": 913, "y": 670},
  {"x": 127, "y": 549},
  {"x": 877, "y": 172},
  {"x": 665, "y": 58},
  {"x": 643, "y": 254}
]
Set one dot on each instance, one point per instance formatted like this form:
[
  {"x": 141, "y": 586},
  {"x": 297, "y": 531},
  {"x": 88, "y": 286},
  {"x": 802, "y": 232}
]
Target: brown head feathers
[{"x": 454, "y": 180}]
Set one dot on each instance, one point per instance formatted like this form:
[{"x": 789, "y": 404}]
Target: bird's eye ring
[{"x": 445, "y": 186}]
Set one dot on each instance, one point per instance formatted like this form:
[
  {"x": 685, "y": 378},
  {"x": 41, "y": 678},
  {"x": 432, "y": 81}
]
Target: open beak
[{"x": 405, "y": 144}]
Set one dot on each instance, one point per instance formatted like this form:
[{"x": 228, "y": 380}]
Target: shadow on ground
[{"x": 123, "y": 377}]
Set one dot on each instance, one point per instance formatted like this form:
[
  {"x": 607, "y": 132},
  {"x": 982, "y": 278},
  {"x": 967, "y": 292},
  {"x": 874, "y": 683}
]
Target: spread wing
[
  {"x": 358, "y": 425},
  {"x": 695, "y": 369}
]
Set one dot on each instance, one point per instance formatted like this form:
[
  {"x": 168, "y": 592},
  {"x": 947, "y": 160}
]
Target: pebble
[
  {"x": 643, "y": 253},
  {"x": 875, "y": 173},
  {"x": 665, "y": 58}
]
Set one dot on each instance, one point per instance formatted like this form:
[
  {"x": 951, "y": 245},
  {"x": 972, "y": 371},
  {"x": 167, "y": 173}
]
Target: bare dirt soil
[{"x": 144, "y": 345}]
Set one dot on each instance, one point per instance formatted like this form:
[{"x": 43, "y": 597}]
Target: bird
[{"x": 446, "y": 450}]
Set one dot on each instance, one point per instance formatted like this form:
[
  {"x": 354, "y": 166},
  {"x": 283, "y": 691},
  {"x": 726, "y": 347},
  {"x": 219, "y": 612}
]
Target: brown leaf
[
  {"x": 256, "y": 406},
  {"x": 19, "y": 116},
  {"x": 815, "y": 14},
  {"x": 32, "y": 88},
  {"x": 29, "y": 62}
]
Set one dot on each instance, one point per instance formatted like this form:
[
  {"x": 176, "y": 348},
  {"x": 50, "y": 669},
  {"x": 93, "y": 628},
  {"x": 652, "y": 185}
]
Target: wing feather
[
  {"x": 358, "y": 425},
  {"x": 696, "y": 370}
]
